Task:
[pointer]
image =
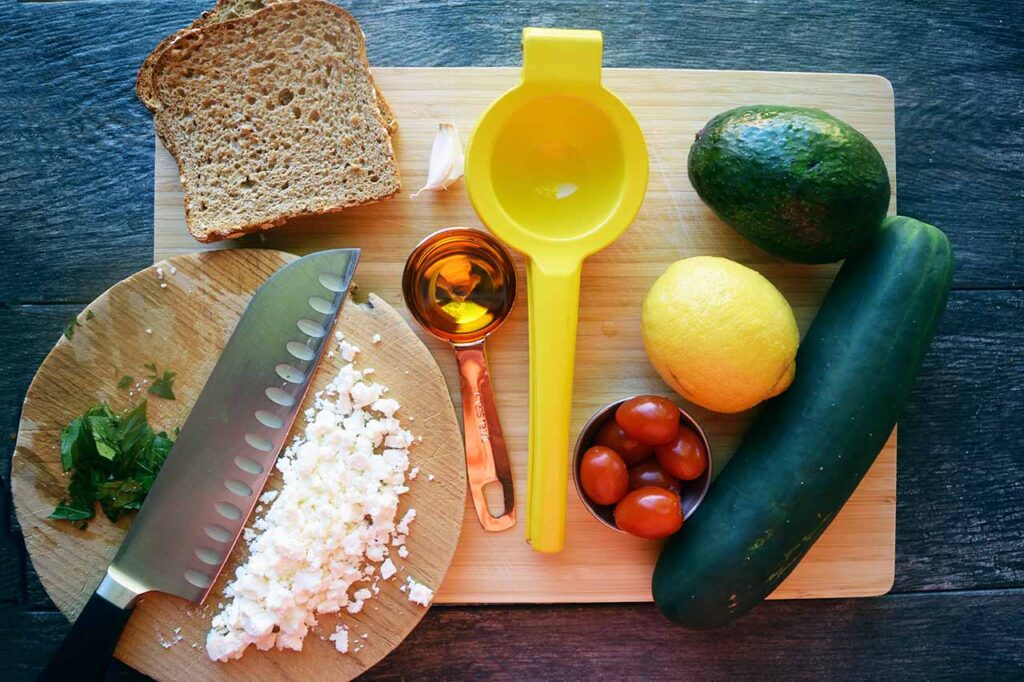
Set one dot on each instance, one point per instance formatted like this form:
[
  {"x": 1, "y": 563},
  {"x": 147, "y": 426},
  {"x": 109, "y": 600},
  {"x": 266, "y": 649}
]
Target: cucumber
[{"x": 810, "y": 447}]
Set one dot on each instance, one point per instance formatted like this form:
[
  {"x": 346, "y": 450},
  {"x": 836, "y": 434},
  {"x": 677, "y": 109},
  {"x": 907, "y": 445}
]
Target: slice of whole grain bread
[
  {"x": 223, "y": 11},
  {"x": 272, "y": 116}
]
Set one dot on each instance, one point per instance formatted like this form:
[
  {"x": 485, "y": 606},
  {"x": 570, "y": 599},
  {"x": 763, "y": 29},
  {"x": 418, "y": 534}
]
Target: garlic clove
[{"x": 447, "y": 160}]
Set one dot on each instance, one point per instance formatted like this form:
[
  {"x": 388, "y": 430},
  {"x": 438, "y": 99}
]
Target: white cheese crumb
[
  {"x": 348, "y": 351},
  {"x": 387, "y": 569},
  {"x": 335, "y": 514},
  {"x": 419, "y": 593},
  {"x": 430, "y": 477},
  {"x": 403, "y": 552},
  {"x": 377, "y": 338},
  {"x": 414, "y": 473},
  {"x": 403, "y": 525},
  {"x": 148, "y": 330},
  {"x": 174, "y": 270},
  {"x": 340, "y": 639},
  {"x": 159, "y": 273}
]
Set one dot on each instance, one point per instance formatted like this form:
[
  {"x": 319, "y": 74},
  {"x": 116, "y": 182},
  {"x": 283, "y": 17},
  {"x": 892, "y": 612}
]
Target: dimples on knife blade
[{"x": 231, "y": 439}]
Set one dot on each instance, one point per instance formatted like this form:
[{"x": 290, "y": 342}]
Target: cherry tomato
[
  {"x": 685, "y": 457},
  {"x": 651, "y": 513},
  {"x": 632, "y": 451},
  {"x": 652, "y": 474},
  {"x": 603, "y": 475},
  {"x": 649, "y": 419}
]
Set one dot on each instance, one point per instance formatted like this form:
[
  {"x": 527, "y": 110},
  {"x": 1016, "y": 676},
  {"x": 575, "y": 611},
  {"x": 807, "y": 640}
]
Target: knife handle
[{"x": 86, "y": 650}]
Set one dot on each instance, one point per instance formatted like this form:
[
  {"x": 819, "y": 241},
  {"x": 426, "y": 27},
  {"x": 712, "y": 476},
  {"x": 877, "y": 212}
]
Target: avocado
[{"x": 797, "y": 182}]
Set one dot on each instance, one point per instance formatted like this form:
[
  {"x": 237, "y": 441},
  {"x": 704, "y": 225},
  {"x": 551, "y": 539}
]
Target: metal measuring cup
[{"x": 486, "y": 454}]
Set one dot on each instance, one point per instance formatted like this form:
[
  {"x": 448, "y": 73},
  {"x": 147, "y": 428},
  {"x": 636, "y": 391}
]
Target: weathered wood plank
[
  {"x": 928, "y": 637},
  {"x": 76, "y": 163},
  {"x": 960, "y": 479}
]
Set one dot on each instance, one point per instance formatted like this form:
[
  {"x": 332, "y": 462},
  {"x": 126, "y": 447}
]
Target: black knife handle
[{"x": 86, "y": 650}]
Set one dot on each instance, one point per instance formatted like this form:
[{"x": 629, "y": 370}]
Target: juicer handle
[
  {"x": 562, "y": 56},
  {"x": 554, "y": 311},
  {"x": 486, "y": 454}
]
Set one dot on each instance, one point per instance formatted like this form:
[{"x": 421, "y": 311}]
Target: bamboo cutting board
[
  {"x": 855, "y": 557},
  {"x": 183, "y": 327}
]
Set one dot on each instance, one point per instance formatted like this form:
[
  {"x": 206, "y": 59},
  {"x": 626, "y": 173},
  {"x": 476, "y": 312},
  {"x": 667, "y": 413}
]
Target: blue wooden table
[{"x": 76, "y": 211}]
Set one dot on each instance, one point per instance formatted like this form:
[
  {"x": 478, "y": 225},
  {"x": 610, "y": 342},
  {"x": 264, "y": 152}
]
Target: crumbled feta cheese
[
  {"x": 159, "y": 273},
  {"x": 430, "y": 477},
  {"x": 340, "y": 639},
  {"x": 174, "y": 270},
  {"x": 419, "y": 593},
  {"x": 348, "y": 351},
  {"x": 148, "y": 330},
  {"x": 414, "y": 473},
  {"x": 387, "y": 569},
  {"x": 403, "y": 525},
  {"x": 403, "y": 552},
  {"x": 163, "y": 285},
  {"x": 336, "y": 513},
  {"x": 377, "y": 338}
]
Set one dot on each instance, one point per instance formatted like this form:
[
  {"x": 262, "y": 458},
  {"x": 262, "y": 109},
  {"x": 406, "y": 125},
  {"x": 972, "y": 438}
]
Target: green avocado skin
[
  {"x": 809, "y": 448},
  {"x": 797, "y": 182}
]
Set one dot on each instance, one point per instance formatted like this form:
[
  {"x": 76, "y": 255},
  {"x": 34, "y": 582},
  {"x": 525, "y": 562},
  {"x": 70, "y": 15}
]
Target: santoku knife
[{"x": 212, "y": 477}]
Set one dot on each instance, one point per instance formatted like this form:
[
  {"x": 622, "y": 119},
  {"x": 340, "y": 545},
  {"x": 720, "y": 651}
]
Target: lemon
[{"x": 720, "y": 334}]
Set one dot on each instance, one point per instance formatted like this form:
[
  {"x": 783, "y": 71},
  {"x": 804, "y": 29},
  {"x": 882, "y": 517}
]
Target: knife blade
[{"x": 213, "y": 476}]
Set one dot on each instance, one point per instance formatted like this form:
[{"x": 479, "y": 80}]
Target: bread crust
[{"x": 144, "y": 78}]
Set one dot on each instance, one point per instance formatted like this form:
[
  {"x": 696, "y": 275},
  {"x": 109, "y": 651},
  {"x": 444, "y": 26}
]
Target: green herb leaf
[
  {"x": 151, "y": 366},
  {"x": 113, "y": 459},
  {"x": 69, "y": 330},
  {"x": 162, "y": 386},
  {"x": 71, "y": 438},
  {"x": 70, "y": 512},
  {"x": 89, "y": 315},
  {"x": 126, "y": 381}
]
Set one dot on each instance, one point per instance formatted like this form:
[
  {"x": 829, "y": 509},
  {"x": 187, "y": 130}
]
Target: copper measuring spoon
[{"x": 460, "y": 285}]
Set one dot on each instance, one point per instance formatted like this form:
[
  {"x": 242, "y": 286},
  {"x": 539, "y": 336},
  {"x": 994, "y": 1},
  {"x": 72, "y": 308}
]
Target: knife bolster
[{"x": 119, "y": 589}]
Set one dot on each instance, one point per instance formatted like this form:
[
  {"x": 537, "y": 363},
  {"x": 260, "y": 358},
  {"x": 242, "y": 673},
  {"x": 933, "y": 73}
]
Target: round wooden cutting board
[{"x": 182, "y": 327}]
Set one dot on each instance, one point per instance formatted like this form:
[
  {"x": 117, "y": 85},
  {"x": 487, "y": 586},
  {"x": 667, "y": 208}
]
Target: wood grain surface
[
  {"x": 855, "y": 557},
  {"x": 183, "y": 326},
  {"x": 76, "y": 201}
]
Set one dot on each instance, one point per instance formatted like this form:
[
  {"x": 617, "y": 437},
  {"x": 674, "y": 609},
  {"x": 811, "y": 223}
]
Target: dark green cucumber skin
[
  {"x": 797, "y": 182},
  {"x": 810, "y": 447}
]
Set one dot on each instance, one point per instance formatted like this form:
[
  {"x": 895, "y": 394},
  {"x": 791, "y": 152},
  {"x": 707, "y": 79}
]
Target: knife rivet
[
  {"x": 198, "y": 579},
  {"x": 237, "y": 487},
  {"x": 310, "y": 328},
  {"x": 228, "y": 511}
]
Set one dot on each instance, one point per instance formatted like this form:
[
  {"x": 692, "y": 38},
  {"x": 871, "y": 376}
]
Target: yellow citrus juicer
[{"x": 557, "y": 169}]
